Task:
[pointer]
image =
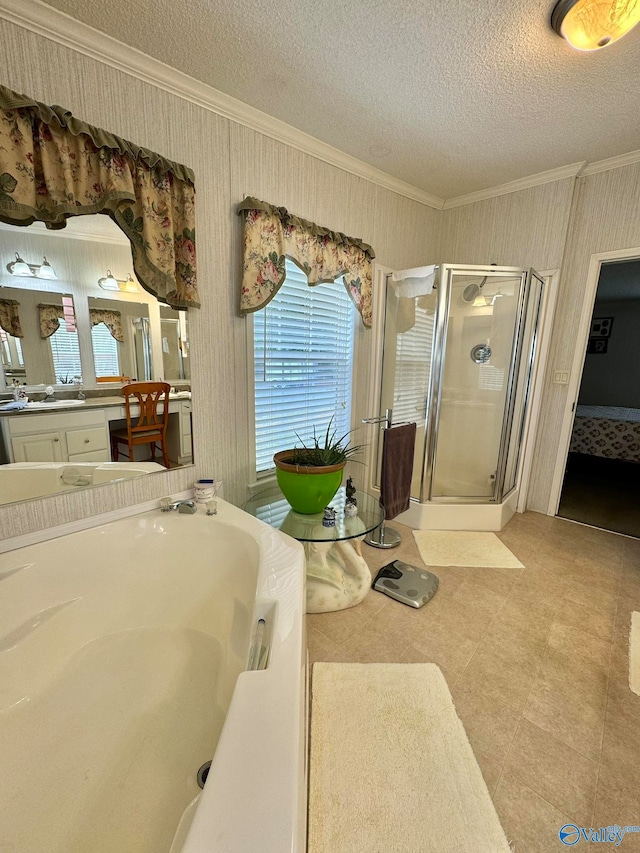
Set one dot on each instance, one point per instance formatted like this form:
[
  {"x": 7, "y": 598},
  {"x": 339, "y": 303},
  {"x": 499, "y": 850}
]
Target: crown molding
[
  {"x": 50, "y": 23},
  {"x": 611, "y": 163},
  {"x": 570, "y": 171},
  {"x": 61, "y": 28},
  {"x": 38, "y": 229}
]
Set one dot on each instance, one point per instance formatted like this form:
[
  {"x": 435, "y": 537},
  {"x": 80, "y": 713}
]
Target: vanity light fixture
[
  {"x": 19, "y": 267},
  {"x": 110, "y": 282},
  {"x": 130, "y": 285},
  {"x": 46, "y": 270},
  {"x": 592, "y": 24},
  {"x": 23, "y": 269}
]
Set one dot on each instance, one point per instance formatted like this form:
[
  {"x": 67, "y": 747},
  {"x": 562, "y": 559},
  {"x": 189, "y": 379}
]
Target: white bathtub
[
  {"x": 123, "y": 651},
  {"x": 20, "y": 481}
]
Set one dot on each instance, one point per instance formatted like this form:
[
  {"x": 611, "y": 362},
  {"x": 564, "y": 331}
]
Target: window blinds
[
  {"x": 303, "y": 358},
  {"x": 66, "y": 354},
  {"x": 413, "y": 367},
  {"x": 105, "y": 351}
]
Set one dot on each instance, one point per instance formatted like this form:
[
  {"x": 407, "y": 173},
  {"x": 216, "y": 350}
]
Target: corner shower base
[{"x": 450, "y": 516}]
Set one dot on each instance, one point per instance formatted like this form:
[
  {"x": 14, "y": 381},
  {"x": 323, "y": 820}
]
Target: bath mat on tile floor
[
  {"x": 464, "y": 548},
  {"x": 391, "y": 768},
  {"x": 634, "y": 653}
]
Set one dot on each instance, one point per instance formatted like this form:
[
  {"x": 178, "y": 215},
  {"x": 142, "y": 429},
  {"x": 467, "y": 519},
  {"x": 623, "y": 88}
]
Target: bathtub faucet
[{"x": 182, "y": 506}]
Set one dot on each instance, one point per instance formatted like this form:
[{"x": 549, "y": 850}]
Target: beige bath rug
[
  {"x": 463, "y": 548},
  {"x": 634, "y": 653},
  {"x": 391, "y": 768}
]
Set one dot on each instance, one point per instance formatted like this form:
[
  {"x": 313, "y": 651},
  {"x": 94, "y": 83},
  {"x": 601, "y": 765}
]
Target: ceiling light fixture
[
  {"x": 592, "y": 24},
  {"x": 110, "y": 282},
  {"x": 25, "y": 270}
]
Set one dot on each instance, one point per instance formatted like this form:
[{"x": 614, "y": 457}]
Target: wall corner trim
[{"x": 50, "y": 23}]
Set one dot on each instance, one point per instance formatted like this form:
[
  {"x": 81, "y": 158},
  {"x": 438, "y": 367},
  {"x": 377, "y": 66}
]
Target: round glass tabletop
[{"x": 271, "y": 506}]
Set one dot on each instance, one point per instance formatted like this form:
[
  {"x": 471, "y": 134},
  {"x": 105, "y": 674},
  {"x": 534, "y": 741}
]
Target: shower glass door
[
  {"x": 528, "y": 350},
  {"x": 406, "y": 369},
  {"x": 458, "y": 363},
  {"x": 471, "y": 412}
]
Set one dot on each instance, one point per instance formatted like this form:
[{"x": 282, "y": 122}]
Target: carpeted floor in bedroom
[{"x": 537, "y": 662}]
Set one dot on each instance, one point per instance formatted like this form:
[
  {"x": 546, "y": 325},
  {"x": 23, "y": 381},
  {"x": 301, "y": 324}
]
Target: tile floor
[{"x": 537, "y": 663}]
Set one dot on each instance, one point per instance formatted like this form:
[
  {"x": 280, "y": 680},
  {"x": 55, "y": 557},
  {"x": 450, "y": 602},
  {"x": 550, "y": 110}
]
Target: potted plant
[{"x": 309, "y": 476}]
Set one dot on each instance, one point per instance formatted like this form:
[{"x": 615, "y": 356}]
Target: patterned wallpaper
[
  {"x": 599, "y": 212},
  {"x": 553, "y": 226},
  {"x": 230, "y": 162},
  {"x": 605, "y": 217}
]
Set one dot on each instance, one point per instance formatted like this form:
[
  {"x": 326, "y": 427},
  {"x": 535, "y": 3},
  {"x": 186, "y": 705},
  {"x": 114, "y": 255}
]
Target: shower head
[{"x": 472, "y": 291}]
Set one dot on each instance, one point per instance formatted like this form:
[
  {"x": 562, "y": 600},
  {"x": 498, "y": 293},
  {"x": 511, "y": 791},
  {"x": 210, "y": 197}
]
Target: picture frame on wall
[
  {"x": 601, "y": 327},
  {"x": 597, "y": 346}
]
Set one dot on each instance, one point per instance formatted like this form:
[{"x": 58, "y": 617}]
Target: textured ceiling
[{"x": 452, "y": 96}]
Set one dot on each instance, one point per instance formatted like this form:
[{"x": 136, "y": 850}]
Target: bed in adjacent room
[{"x": 609, "y": 431}]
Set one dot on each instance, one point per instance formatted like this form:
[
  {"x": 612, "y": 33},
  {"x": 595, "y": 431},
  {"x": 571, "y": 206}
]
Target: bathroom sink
[{"x": 56, "y": 404}]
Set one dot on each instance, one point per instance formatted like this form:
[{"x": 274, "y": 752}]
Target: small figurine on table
[
  {"x": 351, "y": 504},
  {"x": 329, "y": 517}
]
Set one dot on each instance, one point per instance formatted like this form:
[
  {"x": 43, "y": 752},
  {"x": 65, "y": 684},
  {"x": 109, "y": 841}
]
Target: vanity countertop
[{"x": 89, "y": 403}]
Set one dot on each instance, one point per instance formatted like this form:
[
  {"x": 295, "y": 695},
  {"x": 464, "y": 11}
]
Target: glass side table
[{"x": 337, "y": 574}]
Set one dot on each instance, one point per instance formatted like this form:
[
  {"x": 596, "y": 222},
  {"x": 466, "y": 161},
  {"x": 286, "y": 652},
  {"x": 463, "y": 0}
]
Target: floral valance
[
  {"x": 53, "y": 166},
  {"x": 50, "y": 316},
  {"x": 9, "y": 317},
  {"x": 111, "y": 319},
  {"x": 272, "y": 233}
]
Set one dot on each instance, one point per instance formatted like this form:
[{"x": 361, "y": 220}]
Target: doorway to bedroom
[{"x": 601, "y": 484}]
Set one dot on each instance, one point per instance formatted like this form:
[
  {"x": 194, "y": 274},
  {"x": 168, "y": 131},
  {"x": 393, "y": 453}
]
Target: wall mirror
[
  {"x": 86, "y": 327},
  {"x": 43, "y": 355},
  {"x": 120, "y": 340}
]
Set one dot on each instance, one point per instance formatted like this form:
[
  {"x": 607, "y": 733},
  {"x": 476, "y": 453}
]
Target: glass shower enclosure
[{"x": 458, "y": 362}]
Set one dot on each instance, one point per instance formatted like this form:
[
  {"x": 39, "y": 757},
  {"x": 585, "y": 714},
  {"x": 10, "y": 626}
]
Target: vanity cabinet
[
  {"x": 42, "y": 447},
  {"x": 57, "y": 437},
  {"x": 88, "y": 445},
  {"x": 179, "y": 440}
]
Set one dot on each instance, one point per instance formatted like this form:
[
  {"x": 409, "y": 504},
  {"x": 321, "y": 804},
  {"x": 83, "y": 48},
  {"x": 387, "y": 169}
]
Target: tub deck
[{"x": 120, "y": 650}]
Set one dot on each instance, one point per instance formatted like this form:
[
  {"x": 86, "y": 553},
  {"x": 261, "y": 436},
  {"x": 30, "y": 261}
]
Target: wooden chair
[{"x": 151, "y": 426}]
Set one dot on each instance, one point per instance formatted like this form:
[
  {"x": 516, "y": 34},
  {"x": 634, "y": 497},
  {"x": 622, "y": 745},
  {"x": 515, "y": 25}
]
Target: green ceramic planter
[{"x": 307, "y": 489}]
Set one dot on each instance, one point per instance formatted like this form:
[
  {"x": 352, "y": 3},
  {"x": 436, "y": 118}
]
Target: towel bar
[{"x": 383, "y": 536}]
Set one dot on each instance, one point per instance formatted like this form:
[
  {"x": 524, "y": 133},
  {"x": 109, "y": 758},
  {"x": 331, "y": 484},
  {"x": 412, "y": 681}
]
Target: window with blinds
[
  {"x": 66, "y": 354},
  {"x": 105, "y": 351},
  {"x": 413, "y": 367},
  {"x": 303, "y": 358}
]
